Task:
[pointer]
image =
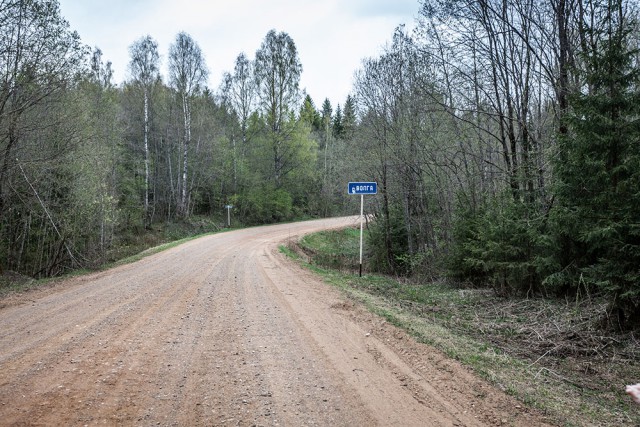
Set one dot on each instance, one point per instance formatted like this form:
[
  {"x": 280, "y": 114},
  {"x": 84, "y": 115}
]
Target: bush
[{"x": 265, "y": 205}]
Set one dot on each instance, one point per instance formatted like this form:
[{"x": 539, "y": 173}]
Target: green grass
[
  {"x": 336, "y": 250},
  {"x": 343, "y": 243},
  {"x": 547, "y": 353}
]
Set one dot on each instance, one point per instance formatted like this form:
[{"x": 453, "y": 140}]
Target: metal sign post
[
  {"x": 228, "y": 208},
  {"x": 362, "y": 188},
  {"x": 361, "y": 225}
]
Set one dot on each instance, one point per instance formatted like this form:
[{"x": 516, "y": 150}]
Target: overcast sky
[{"x": 332, "y": 36}]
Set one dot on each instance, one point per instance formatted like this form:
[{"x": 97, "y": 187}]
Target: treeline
[
  {"x": 503, "y": 134},
  {"x": 88, "y": 166},
  {"x": 505, "y": 137}
]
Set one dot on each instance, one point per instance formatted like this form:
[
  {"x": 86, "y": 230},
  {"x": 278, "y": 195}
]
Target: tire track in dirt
[
  {"x": 352, "y": 352},
  {"x": 223, "y": 331},
  {"x": 113, "y": 334}
]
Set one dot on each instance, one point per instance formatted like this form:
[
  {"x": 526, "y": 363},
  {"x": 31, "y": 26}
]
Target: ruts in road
[{"x": 226, "y": 331}]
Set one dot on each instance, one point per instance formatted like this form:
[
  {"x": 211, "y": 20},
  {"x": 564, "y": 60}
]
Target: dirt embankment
[{"x": 224, "y": 331}]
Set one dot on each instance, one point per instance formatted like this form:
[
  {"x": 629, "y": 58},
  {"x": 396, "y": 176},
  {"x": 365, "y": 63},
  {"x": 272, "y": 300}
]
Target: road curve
[{"x": 225, "y": 331}]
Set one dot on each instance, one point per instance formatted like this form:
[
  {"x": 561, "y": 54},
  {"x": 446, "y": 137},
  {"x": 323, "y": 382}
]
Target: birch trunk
[{"x": 184, "y": 198}]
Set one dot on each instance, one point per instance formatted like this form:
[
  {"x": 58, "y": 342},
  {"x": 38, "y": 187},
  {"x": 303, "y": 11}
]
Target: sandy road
[{"x": 224, "y": 330}]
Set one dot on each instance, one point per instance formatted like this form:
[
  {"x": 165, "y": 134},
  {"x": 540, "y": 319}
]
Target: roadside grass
[
  {"x": 132, "y": 249},
  {"x": 129, "y": 247},
  {"x": 549, "y": 354},
  {"x": 13, "y": 282}
]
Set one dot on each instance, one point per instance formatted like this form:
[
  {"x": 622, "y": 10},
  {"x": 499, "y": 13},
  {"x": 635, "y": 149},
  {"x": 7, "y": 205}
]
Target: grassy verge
[
  {"x": 130, "y": 249},
  {"x": 550, "y": 354}
]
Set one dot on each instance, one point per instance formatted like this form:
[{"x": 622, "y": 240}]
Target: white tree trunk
[
  {"x": 184, "y": 200},
  {"x": 146, "y": 155}
]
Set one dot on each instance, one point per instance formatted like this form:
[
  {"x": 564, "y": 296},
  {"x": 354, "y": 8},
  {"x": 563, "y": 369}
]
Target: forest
[{"x": 504, "y": 136}]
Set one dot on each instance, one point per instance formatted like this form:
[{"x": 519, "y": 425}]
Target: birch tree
[
  {"x": 277, "y": 71},
  {"x": 187, "y": 74},
  {"x": 144, "y": 69},
  {"x": 240, "y": 92}
]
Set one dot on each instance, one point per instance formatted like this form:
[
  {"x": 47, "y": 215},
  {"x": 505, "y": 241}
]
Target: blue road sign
[{"x": 363, "y": 188}]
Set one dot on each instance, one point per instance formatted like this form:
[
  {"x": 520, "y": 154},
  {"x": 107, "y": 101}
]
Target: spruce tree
[
  {"x": 338, "y": 128},
  {"x": 349, "y": 118},
  {"x": 310, "y": 115},
  {"x": 598, "y": 169}
]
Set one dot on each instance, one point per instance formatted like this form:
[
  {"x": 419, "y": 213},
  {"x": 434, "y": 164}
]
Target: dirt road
[{"x": 225, "y": 331}]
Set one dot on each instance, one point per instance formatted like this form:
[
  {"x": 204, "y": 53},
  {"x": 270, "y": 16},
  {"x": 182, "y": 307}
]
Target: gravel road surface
[{"x": 225, "y": 331}]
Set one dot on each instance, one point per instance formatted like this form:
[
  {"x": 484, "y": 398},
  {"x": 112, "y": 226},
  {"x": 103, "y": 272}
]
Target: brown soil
[{"x": 225, "y": 331}]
